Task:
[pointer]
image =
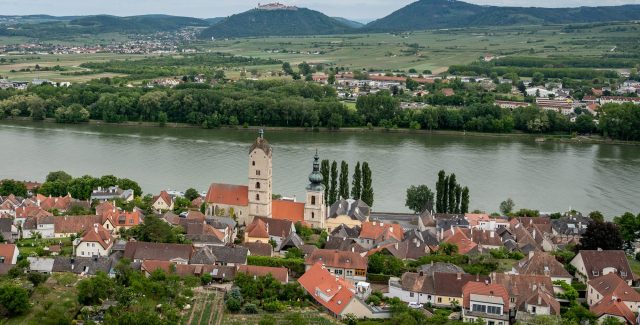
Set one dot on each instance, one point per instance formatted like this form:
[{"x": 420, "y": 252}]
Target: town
[{"x": 252, "y": 253}]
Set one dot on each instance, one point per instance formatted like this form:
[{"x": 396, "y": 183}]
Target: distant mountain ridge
[
  {"x": 280, "y": 22},
  {"x": 138, "y": 24},
  {"x": 433, "y": 14}
]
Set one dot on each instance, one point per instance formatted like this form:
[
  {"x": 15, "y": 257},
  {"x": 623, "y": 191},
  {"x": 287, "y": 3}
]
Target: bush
[
  {"x": 14, "y": 299},
  {"x": 250, "y": 309},
  {"x": 295, "y": 265},
  {"x": 233, "y": 305},
  {"x": 267, "y": 320},
  {"x": 206, "y": 279},
  {"x": 378, "y": 278},
  {"x": 273, "y": 306}
]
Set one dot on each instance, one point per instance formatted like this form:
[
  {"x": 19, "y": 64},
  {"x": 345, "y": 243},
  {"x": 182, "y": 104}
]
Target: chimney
[
  {"x": 353, "y": 249},
  {"x": 539, "y": 300},
  {"x": 534, "y": 234},
  {"x": 441, "y": 234},
  {"x": 396, "y": 245},
  {"x": 458, "y": 276},
  {"x": 531, "y": 254}
]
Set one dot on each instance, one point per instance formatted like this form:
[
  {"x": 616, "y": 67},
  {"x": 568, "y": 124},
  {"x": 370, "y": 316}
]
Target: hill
[
  {"x": 137, "y": 24},
  {"x": 283, "y": 22},
  {"x": 350, "y": 23},
  {"x": 433, "y": 14}
]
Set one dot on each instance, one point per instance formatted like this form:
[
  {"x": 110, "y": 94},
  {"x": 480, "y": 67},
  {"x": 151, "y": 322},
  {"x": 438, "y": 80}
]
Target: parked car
[{"x": 415, "y": 305}]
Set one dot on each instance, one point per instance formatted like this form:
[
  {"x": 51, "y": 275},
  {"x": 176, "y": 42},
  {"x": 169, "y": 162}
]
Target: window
[
  {"x": 479, "y": 308},
  {"x": 258, "y": 197},
  {"x": 257, "y": 173},
  {"x": 258, "y": 185},
  {"x": 349, "y": 272},
  {"x": 313, "y": 215},
  {"x": 411, "y": 294},
  {"x": 338, "y": 272},
  {"x": 253, "y": 163},
  {"x": 439, "y": 299},
  {"x": 360, "y": 273},
  {"x": 313, "y": 200},
  {"x": 533, "y": 309}
]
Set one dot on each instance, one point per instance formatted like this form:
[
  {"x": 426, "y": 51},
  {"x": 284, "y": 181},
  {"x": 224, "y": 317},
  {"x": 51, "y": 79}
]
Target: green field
[{"x": 434, "y": 50}]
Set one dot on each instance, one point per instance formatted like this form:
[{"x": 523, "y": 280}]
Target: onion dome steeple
[{"x": 315, "y": 178}]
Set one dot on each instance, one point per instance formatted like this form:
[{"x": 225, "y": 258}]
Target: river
[{"x": 546, "y": 176}]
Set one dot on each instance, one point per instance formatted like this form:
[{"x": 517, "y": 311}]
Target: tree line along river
[{"x": 548, "y": 176}]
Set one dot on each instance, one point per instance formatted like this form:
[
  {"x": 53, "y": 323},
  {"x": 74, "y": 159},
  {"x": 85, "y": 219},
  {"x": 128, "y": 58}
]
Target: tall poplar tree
[
  {"x": 451, "y": 195},
  {"x": 367, "y": 189},
  {"x": 344, "y": 180},
  {"x": 458, "y": 199},
  {"x": 333, "y": 191},
  {"x": 440, "y": 191},
  {"x": 464, "y": 201},
  {"x": 356, "y": 188},
  {"x": 445, "y": 195},
  {"x": 325, "y": 171}
]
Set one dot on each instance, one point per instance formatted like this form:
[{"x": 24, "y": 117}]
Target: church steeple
[
  {"x": 315, "y": 178},
  {"x": 314, "y": 207}
]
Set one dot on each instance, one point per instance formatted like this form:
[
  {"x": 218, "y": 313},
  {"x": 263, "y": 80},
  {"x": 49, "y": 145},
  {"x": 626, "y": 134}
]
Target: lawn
[
  {"x": 635, "y": 265},
  {"x": 31, "y": 247}
]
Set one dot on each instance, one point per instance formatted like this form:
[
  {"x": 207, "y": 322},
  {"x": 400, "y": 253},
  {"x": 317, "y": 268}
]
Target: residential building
[
  {"x": 349, "y": 212},
  {"x": 543, "y": 264},
  {"x": 279, "y": 273},
  {"x": 350, "y": 266},
  {"x": 613, "y": 307},
  {"x": 162, "y": 202},
  {"x": 266, "y": 229},
  {"x": 374, "y": 232},
  {"x": 111, "y": 193},
  {"x": 336, "y": 295},
  {"x": 96, "y": 241},
  {"x": 612, "y": 285},
  {"x": 485, "y": 301},
  {"x": 140, "y": 251},
  {"x": 591, "y": 264}
]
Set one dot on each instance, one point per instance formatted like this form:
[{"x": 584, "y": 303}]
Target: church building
[{"x": 256, "y": 198}]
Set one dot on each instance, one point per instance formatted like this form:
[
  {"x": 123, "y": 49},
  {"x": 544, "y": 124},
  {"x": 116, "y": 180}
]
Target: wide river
[{"x": 545, "y": 176}]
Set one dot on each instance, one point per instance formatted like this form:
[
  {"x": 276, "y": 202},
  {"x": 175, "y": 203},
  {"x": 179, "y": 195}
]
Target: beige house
[
  {"x": 347, "y": 212},
  {"x": 96, "y": 241},
  {"x": 612, "y": 285},
  {"x": 591, "y": 264},
  {"x": 162, "y": 202}
]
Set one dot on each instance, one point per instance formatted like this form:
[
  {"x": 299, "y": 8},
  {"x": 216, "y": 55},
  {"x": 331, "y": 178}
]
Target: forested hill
[
  {"x": 137, "y": 24},
  {"x": 276, "y": 23},
  {"x": 431, "y": 14}
]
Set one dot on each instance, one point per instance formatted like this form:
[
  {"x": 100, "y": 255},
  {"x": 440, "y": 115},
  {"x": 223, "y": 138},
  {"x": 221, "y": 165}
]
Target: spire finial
[{"x": 261, "y": 132}]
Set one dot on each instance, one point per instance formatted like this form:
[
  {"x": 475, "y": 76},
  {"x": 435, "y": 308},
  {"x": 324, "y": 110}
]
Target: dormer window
[
  {"x": 623, "y": 274},
  {"x": 595, "y": 273}
]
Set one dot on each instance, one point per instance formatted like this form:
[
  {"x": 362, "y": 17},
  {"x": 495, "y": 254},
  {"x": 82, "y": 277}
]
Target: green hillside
[
  {"x": 434, "y": 14},
  {"x": 276, "y": 23}
]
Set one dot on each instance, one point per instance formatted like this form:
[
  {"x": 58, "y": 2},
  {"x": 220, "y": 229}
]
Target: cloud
[{"x": 354, "y": 9}]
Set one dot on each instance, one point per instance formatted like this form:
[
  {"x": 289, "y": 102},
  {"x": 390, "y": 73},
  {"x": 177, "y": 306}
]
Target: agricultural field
[
  {"x": 311, "y": 315},
  {"x": 434, "y": 50},
  {"x": 207, "y": 309}
]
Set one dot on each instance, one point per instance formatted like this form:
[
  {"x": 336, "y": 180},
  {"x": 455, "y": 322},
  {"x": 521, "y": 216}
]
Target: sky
[{"x": 363, "y": 10}]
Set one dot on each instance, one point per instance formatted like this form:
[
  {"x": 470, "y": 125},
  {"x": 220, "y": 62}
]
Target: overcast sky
[{"x": 353, "y": 9}]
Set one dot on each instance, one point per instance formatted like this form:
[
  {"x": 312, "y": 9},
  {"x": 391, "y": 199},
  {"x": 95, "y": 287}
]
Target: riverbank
[{"x": 563, "y": 138}]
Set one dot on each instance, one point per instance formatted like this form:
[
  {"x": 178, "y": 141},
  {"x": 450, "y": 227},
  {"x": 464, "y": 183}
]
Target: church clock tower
[
  {"x": 260, "y": 175},
  {"x": 315, "y": 210}
]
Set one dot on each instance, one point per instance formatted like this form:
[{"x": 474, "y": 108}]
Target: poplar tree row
[
  {"x": 337, "y": 182},
  {"x": 451, "y": 197}
]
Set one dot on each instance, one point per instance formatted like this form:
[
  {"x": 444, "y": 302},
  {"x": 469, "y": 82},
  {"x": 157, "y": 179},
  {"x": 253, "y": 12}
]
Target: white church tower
[
  {"x": 260, "y": 175},
  {"x": 315, "y": 210}
]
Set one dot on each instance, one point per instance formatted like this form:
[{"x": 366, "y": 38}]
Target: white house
[{"x": 96, "y": 241}]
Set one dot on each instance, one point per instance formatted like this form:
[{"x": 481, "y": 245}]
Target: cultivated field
[{"x": 207, "y": 308}]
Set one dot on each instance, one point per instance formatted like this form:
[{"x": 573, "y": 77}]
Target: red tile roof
[
  {"x": 460, "y": 239},
  {"x": 337, "y": 259},
  {"x": 74, "y": 224},
  {"x": 610, "y": 305},
  {"x": 612, "y": 284},
  {"x": 258, "y": 229},
  {"x": 228, "y": 194},
  {"x": 7, "y": 251},
  {"x": 287, "y": 210},
  {"x": 485, "y": 289},
  {"x": 165, "y": 197},
  {"x": 337, "y": 291},
  {"x": 99, "y": 235},
  {"x": 279, "y": 273},
  {"x": 382, "y": 231}
]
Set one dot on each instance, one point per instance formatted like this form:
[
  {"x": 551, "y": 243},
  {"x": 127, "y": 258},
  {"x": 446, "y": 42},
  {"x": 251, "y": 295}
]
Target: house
[
  {"x": 226, "y": 199},
  {"x": 96, "y": 241},
  {"x": 570, "y": 226},
  {"x": 201, "y": 233},
  {"x": 344, "y": 244},
  {"x": 9, "y": 254},
  {"x": 344, "y": 231},
  {"x": 40, "y": 264},
  {"x": 485, "y": 239},
  {"x": 374, "y": 232},
  {"x": 441, "y": 289},
  {"x": 265, "y": 229},
  {"x": 115, "y": 220},
  {"x": 289, "y": 242},
  {"x": 348, "y": 212},
  {"x": 83, "y": 265},
  {"x": 220, "y": 273},
  {"x": 336, "y": 295},
  {"x": 350, "y": 266},
  {"x": 529, "y": 295},
  {"x": 42, "y": 225},
  {"x": 111, "y": 193},
  {"x": 488, "y": 302},
  {"x": 591, "y": 264},
  {"x": 409, "y": 249},
  {"x": 220, "y": 255},
  {"x": 67, "y": 226},
  {"x": 279, "y": 273},
  {"x": 259, "y": 249},
  {"x": 543, "y": 264},
  {"x": 456, "y": 236},
  {"x": 162, "y": 202},
  {"x": 140, "y": 251},
  {"x": 8, "y": 230},
  {"x": 612, "y": 285},
  {"x": 613, "y": 307}
]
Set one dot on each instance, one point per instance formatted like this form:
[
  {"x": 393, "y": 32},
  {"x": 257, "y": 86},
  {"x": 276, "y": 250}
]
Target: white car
[{"x": 415, "y": 305}]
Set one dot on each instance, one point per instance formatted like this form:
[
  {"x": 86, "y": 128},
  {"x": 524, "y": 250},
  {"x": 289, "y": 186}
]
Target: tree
[
  {"x": 458, "y": 198},
  {"x": 451, "y": 195},
  {"x": 333, "y": 190},
  {"x": 507, "y": 206},
  {"x": 191, "y": 194},
  {"x": 14, "y": 299},
  {"x": 464, "y": 202},
  {"x": 155, "y": 230},
  {"x": 367, "y": 184},
  {"x": 325, "y": 171},
  {"x": 419, "y": 198},
  {"x": 412, "y": 84},
  {"x": 93, "y": 290},
  {"x": 445, "y": 197},
  {"x": 127, "y": 184},
  {"x": 629, "y": 226},
  {"x": 356, "y": 188},
  {"x": 440, "y": 192},
  {"x": 597, "y": 216},
  {"x": 603, "y": 235},
  {"x": 8, "y": 187},
  {"x": 58, "y": 176},
  {"x": 162, "y": 119},
  {"x": 584, "y": 124},
  {"x": 448, "y": 249},
  {"x": 343, "y": 190}
]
